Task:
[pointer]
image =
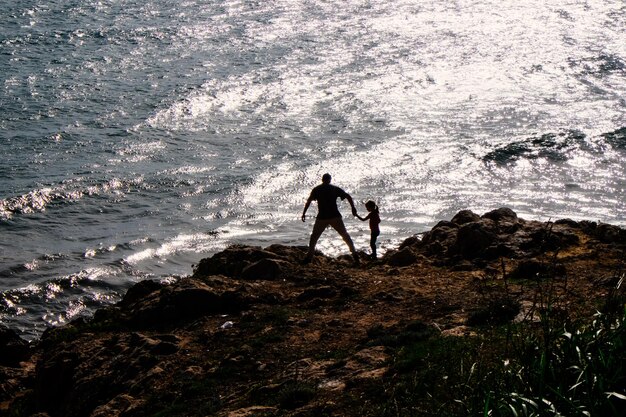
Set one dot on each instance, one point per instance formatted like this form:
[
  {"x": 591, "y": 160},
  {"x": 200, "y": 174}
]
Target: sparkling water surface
[{"x": 138, "y": 137}]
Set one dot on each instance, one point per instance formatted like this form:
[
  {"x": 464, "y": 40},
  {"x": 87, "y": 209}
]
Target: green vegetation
[
  {"x": 296, "y": 394},
  {"x": 550, "y": 365}
]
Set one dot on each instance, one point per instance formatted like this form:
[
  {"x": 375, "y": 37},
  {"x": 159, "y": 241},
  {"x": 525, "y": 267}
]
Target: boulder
[
  {"x": 534, "y": 269},
  {"x": 140, "y": 291},
  {"x": 503, "y": 214},
  {"x": 403, "y": 257},
  {"x": 55, "y": 379},
  {"x": 13, "y": 348},
  {"x": 440, "y": 238},
  {"x": 443, "y": 232},
  {"x": 188, "y": 299},
  {"x": 465, "y": 216},
  {"x": 411, "y": 241},
  {"x": 196, "y": 299},
  {"x": 233, "y": 260},
  {"x": 541, "y": 239},
  {"x": 607, "y": 233},
  {"x": 474, "y": 238},
  {"x": 265, "y": 269}
]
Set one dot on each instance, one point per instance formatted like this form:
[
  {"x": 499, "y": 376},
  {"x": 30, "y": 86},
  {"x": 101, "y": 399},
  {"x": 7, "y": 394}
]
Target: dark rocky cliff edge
[{"x": 254, "y": 333}]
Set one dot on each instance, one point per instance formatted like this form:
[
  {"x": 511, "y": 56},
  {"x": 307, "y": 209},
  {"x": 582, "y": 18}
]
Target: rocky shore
[{"x": 254, "y": 333}]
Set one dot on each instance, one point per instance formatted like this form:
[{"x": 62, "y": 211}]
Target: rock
[
  {"x": 607, "y": 233},
  {"x": 534, "y": 269},
  {"x": 189, "y": 299},
  {"x": 320, "y": 292},
  {"x": 373, "y": 376},
  {"x": 503, "y": 214},
  {"x": 549, "y": 239},
  {"x": 497, "y": 311},
  {"x": 13, "y": 348},
  {"x": 474, "y": 238},
  {"x": 317, "y": 339},
  {"x": 411, "y": 241},
  {"x": 266, "y": 269},
  {"x": 155, "y": 346},
  {"x": 465, "y": 216},
  {"x": 234, "y": 259},
  {"x": 291, "y": 254},
  {"x": 197, "y": 300},
  {"x": 443, "y": 232},
  {"x": 140, "y": 291},
  {"x": 121, "y": 405},
  {"x": 374, "y": 356},
  {"x": 55, "y": 379},
  {"x": 256, "y": 410},
  {"x": 459, "y": 331},
  {"x": 567, "y": 222},
  {"x": 404, "y": 257}
]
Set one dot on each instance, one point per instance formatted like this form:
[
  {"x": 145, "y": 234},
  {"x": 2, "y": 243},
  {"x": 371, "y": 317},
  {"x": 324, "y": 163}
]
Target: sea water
[{"x": 140, "y": 136}]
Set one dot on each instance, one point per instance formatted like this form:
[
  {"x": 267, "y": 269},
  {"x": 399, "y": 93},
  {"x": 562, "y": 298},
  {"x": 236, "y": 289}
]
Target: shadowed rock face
[
  {"x": 254, "y": 332},
  {"x": 498, "y": 233},
  {"x": 12, "y": 348},
  {"x": 248, "y": 262}
]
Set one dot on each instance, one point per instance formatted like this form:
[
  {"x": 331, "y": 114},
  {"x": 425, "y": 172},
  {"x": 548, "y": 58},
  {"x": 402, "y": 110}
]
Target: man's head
[{"x": 326, "y": 178}]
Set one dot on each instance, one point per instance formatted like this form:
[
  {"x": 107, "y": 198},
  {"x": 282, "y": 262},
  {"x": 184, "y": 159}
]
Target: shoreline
[{"x": 229, "y": 339}]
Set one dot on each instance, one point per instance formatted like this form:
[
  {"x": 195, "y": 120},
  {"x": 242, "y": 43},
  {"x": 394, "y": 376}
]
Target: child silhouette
[{"x": 374, "y": 219}]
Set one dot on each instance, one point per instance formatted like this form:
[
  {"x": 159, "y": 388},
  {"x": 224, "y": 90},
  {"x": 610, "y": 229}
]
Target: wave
[
  {"x": 38, "y": 200},
  {"x": 58, "y": 300}
]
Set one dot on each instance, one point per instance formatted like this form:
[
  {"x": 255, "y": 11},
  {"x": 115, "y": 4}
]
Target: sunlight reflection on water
[{"x": 168, "y": 130}]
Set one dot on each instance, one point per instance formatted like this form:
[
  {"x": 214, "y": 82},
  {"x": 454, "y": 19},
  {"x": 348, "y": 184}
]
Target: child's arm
[{"x": 364, "y": 218}]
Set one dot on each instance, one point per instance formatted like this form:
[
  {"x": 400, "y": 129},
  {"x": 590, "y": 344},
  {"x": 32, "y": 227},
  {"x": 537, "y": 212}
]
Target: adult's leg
[
  {"x": 337, "y": 224},
  {"x": 318, "y": 229}
]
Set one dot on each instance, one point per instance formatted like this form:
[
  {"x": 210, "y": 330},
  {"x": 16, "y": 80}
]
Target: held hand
[{"x": 303, "y": 217}]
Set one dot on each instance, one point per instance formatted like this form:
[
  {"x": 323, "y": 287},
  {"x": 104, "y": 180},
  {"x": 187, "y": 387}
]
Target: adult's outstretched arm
[
  {"x": 306, "y": 207},
  {"x": 351, "y": 201}
]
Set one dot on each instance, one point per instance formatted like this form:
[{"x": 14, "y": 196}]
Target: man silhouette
[{"x": 328, "y": 215}]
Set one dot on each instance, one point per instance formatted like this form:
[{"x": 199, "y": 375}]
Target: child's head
[{"x": 370, "y": 206}]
